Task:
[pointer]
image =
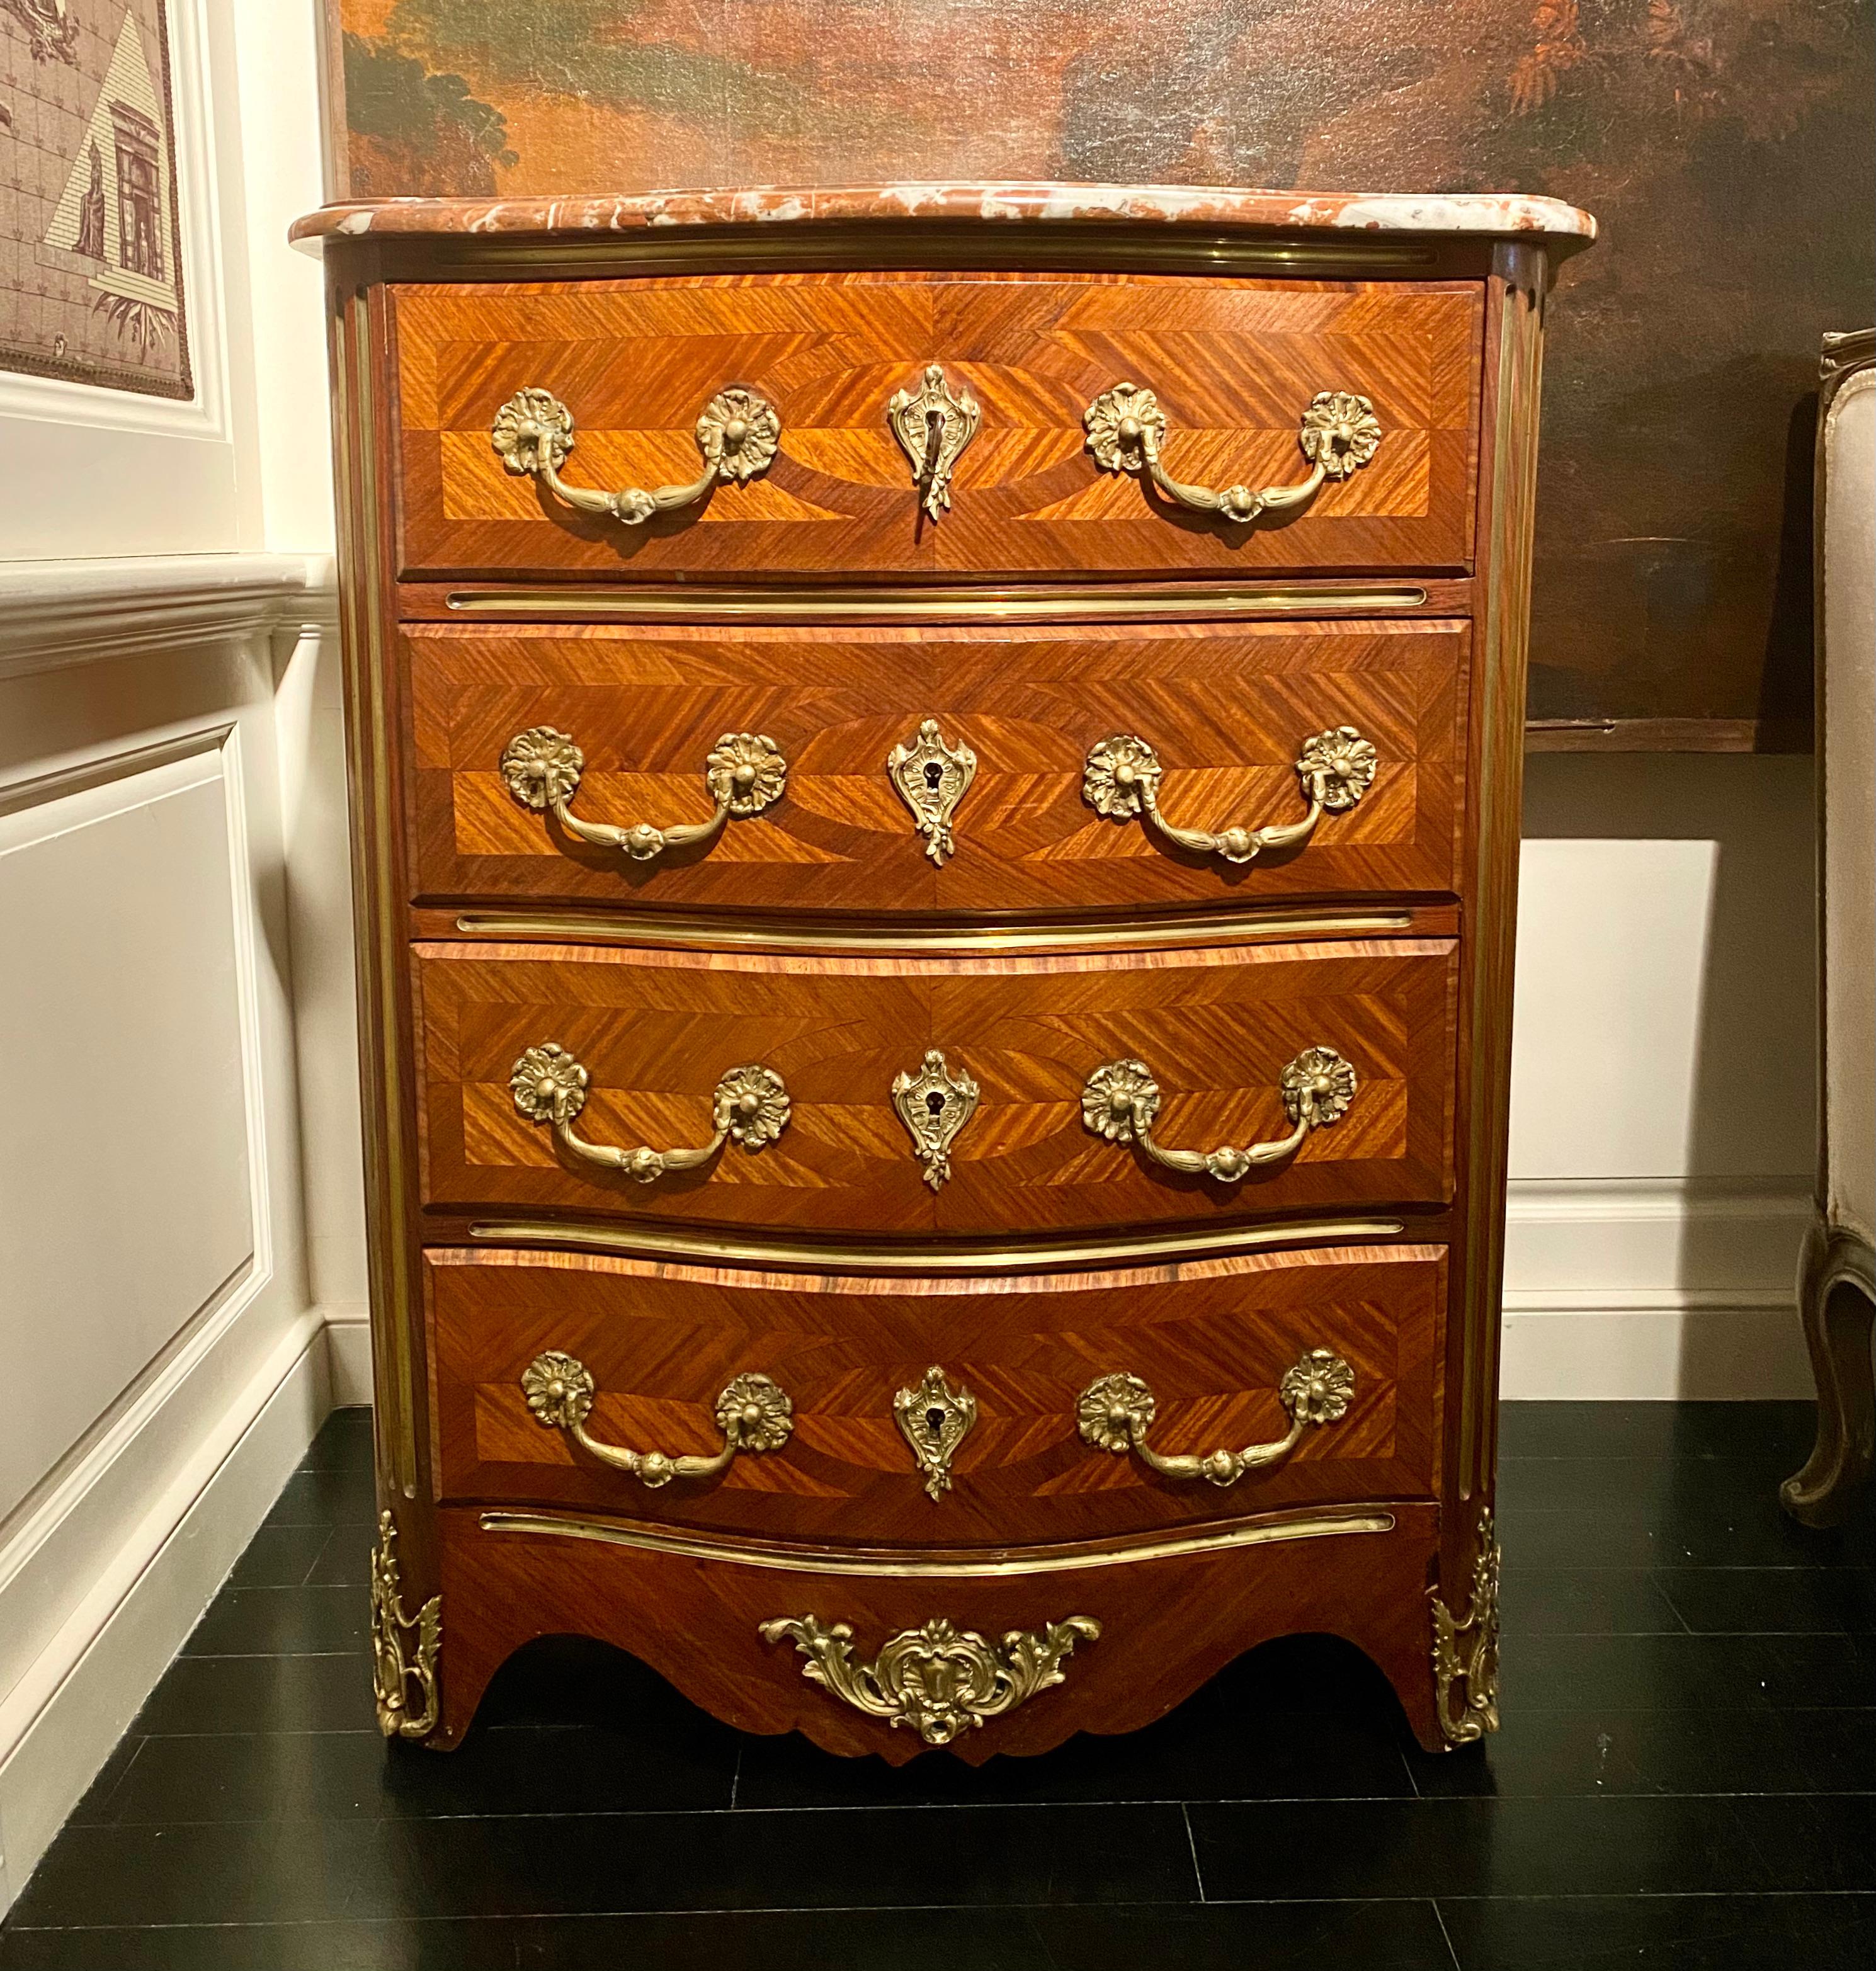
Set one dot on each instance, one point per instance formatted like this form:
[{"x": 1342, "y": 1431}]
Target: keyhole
[
  {"x": 933, "y": 774},
  {"x": 934, "y": 1103},
  {"x": 935, "y": 1423}
]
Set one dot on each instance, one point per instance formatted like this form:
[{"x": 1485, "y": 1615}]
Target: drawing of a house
[{"x": 114, "y": 209}]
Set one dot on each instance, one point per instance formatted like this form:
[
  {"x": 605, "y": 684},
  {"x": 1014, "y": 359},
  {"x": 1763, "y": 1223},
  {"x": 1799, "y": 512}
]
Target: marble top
[{"x": 1499, "y": 214}]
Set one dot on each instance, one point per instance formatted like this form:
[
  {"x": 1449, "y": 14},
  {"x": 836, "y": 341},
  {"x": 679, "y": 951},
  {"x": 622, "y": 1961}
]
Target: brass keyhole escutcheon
[
  {"x": 934, "y": 423},
  {"x": 934, "y": 1419},
  {"x": 934, "y": 1105},
  {"x": 931, "y": 774}
]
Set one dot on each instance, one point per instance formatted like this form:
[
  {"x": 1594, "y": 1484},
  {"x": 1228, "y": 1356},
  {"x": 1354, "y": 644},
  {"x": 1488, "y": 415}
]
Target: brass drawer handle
[
  {"x": 1115, "y": 1413},
  {"x": 744, "y": 771},
  {"x": 738, "y": 433},
  {"x": 1122, "y": 776},
  {"x": 749, "y": 1106},
  {"x": 1121, "y": 1099},
  {"x": 1338, "y": 435},
  {"x": 753, "y": 1414}
]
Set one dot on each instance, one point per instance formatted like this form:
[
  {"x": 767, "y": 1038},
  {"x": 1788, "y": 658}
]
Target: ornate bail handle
[
  {"x": 1338, "y": 435},
  {"x": 749, "y": 1107},
  {"x": 738, "y": 433},
  {"x": 1115, "y": 1413},
  {"x": 1121, "y": 1099},
  {"x": 1122, "y": 776},
  {"x": 744, "y": 771},
  {"x": 753, "y": 1414}
]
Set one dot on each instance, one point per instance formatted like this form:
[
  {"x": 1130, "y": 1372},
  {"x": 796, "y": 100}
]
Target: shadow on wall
[{"x": 1667, "y": 1010}]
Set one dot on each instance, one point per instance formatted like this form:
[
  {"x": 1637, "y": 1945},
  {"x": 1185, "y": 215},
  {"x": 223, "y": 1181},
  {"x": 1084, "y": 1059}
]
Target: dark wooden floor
[{"x": 1686, "y": 1777}]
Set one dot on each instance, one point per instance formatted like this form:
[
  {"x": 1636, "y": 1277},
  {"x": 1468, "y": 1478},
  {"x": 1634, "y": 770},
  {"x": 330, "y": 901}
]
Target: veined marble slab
[{"x": 1502, "y": 214}]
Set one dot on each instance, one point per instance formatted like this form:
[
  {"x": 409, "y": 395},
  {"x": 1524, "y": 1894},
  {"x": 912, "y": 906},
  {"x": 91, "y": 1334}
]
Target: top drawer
[{"x": 1232, "y": 367}]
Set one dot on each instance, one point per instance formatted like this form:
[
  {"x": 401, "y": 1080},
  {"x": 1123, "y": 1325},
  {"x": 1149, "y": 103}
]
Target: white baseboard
[
  {"x": 1655, "y": 1234},
  {"x": 1647, "y": 1290},
  {"x": 348, "y": 1344},
  {"x": 1683, "y": 1346},
  {"x": 60, "y": 1721}
]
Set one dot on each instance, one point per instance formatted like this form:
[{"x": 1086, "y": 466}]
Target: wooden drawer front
[
  {"x": 1233, "y": 364},
  {"x": 655, "y": 1030},
  {"x": 1228, "y": 711},
  {"x": 1212, "y": 1341}
]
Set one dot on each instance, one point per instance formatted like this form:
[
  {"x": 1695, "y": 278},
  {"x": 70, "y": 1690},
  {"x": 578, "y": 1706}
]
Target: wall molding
[{"x": 55, "y": 614}]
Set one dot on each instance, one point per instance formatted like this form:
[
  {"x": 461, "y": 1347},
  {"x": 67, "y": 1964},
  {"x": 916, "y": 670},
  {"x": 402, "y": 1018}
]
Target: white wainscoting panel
[
  {"x": 162, "y": 1362},
  {"x": 128, "y": 1202}
]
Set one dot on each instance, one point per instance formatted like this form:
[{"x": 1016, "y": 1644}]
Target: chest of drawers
[{"x": 936, "y": 781}]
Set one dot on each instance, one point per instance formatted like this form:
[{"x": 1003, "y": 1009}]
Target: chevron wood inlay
[
  {"x": 1212, "y": 1340},
  {"x": 655, "y": 1030},
  {"x": 1227, "y": 708},
  {"x": 1024, "y": 940},
  {"x": 1233, "y": 362}
]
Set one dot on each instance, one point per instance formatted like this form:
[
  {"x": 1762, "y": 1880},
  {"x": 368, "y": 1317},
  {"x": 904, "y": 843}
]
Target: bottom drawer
[
  {"x": 936, "y": 1413},
  {"x": 982, "y": 1656}
]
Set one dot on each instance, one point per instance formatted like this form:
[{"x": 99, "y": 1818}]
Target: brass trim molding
[
  {"x": 917, "y": 246},
  {"x": 1472, "y": 1666},
  {"x": 708, "y": 934},
  {"x": 378, "y": 892},
  {"x": 395, "y": 1670},
  {"x": 1039, "y": 602},
  {"x": 939, "y": 1679},
  {"x": 916, "y": 1564},
  {"x": 651, "y": 1242}
]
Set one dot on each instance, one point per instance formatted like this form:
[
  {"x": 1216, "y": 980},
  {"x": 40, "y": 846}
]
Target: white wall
[
  {"x": 1662, "y": 1133},
  {"x": 163, "y": 1357}
]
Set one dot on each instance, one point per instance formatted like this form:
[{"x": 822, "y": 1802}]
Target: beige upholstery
[
  {"x": 1837, "y": 1276},
  {"x": 1846, "y": 679}
]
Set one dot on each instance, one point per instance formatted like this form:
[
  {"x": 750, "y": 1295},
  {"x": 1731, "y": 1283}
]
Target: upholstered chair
[{"x": 1836, "y": 1279}]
